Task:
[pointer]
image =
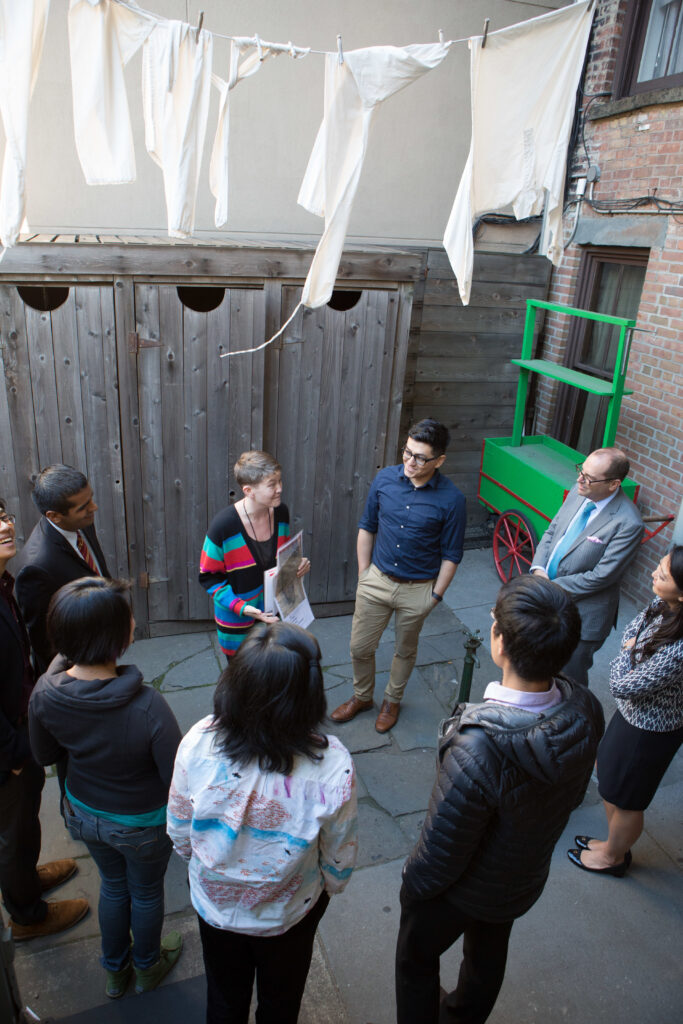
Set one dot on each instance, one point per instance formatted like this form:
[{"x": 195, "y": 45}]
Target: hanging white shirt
[
  {"x": 103, "y": 36},
  {"x": 176, "y": 84},
  {"x": 22, "y": 33},
  {"x": 523, "y": 94},
  {"x": 218, "y": 170},
  {"x": 353, "y": 90}
]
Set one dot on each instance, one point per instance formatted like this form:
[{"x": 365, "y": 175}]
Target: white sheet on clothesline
[
  {"x": 103, "y": 36},
  {"x": 353, "y": 90},
  {"x": 239, "y": 70},
  {"x": 523, "y": 94},
  {"x": 22, "y": 33},
  {"x": 176, "y": 83}
]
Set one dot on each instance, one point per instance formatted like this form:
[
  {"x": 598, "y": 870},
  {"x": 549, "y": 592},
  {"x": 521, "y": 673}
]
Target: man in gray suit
[{"x": 587, "y": 548}]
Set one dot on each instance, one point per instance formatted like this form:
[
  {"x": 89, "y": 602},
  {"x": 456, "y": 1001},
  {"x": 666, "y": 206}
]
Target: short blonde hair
[{"x": 253, "y": 467}]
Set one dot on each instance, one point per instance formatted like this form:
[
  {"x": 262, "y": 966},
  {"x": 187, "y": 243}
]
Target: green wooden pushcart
[{"x": 525, "y": 478}]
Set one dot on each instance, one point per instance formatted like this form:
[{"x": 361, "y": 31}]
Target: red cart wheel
[{"x": 514, "y": 543}]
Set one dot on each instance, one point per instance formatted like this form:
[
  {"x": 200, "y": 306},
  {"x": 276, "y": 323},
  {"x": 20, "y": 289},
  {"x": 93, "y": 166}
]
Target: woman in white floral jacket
[
  {"x": 263, "y": 806},
  {"x": 646, "y": 730}
]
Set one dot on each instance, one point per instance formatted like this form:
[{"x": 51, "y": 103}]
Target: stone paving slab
[
  {"x": 190, "y": 705},
  {"x": 359, "y": 734},
  {"x": 153, "y": 657},
  {"x": 420, "y": 715},
  {"x": 381, "y": 838},
  {"x": 200, "y": 669},
  {"x": 398, "y": 782},
  {"x": 411, "y": 826}
]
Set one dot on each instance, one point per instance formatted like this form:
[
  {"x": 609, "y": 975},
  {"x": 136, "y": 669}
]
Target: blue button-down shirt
[{"x": 415, "y": 528}]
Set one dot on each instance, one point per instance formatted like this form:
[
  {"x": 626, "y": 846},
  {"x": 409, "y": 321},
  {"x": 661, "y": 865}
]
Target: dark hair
[
  {"x": 55, "y": 486},
  {"x": 540, "y": 626},
  {"x": 88, "y": 620},
  {"x": 3, "y": 506},
  {"x": 270, "y": 700},
  {"x": 671, "y": 628},
  {"x": 431, "y": 432},
  {"x": 618, "y": 465}
]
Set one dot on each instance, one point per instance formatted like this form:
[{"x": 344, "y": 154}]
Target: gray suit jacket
[{"x": 591, "y": 569}]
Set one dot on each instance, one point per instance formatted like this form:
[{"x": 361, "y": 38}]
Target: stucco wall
[{"x": 418, "y": 144}]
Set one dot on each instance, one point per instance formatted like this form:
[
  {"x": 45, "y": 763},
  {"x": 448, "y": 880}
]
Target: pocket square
[{"x": 595, "y": 540}]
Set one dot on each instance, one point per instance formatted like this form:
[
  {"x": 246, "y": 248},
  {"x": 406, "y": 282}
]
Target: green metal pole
[{"x": 473, "y": 642}]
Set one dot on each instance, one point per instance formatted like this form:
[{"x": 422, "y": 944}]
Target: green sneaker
[
  {"x": 148, "y": 978},
  {"x": 117, "y": 982}
]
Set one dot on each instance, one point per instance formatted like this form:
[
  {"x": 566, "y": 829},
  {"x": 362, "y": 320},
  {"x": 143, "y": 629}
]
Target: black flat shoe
[
  {"x": 583, "y": 841},
  {"x": 618, "y": 870}
]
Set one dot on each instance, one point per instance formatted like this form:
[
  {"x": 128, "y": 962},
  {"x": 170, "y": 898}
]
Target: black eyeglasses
[
  {"x": 8, "y": 517},
  {"x": 592, "y": 479},
  {"x": 421, "y": 460}
]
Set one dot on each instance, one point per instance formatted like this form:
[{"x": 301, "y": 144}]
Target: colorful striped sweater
[{"x": 229, "y": 571}]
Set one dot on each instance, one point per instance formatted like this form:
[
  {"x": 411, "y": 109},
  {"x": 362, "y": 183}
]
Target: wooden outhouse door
[
  {"x": 333, "y": 409},
  {"x": 59, "y": 402},
  {"x": 197, "y": 412}
]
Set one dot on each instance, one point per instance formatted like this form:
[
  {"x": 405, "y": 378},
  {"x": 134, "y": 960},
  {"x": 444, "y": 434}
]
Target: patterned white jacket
[
  {"x": 650, "y": 694},
  {"x": 261, "y": 846}
]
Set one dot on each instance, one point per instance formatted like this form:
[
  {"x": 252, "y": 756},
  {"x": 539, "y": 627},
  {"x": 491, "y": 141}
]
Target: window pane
[
  {"x": 618, "y": 293},
  {"x": 662, "y": 52}
]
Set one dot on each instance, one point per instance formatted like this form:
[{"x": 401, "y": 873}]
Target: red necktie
[{"x": 85, "y": 554}]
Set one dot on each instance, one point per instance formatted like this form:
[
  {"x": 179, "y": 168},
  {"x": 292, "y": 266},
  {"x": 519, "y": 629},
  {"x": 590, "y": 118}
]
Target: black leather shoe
[
  {"x": 618, "y": 870},
  {"x": 583, "y": 841}
]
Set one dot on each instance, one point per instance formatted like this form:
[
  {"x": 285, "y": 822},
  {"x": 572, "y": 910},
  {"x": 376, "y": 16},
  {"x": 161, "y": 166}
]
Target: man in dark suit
[
  {"x": 588, "y": 547},
  {"x": 21, "y": 779},
  {"x": 62, "y": 547}
]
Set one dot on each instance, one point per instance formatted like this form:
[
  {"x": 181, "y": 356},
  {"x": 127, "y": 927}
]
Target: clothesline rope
[
  {"x": 245, "y": 351},
  {"x": 299, "y": 51}
]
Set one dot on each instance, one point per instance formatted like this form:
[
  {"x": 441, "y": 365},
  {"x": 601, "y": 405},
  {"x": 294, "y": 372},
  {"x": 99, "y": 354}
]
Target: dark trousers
[
  {"x": 280, "y": 963},
  {"x": 581, "y": 661},
  {"x": 20, "y": 844},
  {"x": 428, "y": 928}
]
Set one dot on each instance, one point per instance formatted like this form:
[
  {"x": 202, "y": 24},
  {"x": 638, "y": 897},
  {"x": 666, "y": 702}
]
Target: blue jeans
[{"x": 132, "y": 864}]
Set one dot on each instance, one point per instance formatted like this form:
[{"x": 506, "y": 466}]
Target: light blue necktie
[{"x": 570, "y": 536}]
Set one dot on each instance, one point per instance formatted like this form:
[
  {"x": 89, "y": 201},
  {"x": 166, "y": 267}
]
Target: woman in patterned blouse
[
  {"x": 263, "y": 806},
  {"x": 646, "y": 681}
]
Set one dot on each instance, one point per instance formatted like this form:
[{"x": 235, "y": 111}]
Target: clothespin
[
  {"x": 199, "y": 26},
  {"x": 259, "y": 48},
  {"x": 441, "y": 36},
  {"x": 340, "y": 51},
  {"x": 486, "y": 32}
]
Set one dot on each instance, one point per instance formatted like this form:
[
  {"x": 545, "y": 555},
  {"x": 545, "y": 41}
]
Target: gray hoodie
[{"x": 120, "y": 737}]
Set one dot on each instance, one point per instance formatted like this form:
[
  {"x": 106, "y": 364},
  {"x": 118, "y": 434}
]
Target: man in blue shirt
[{"x": 410, "y": 541}]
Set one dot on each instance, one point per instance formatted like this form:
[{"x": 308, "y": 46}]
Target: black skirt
[{"x": 632, "y": 762}]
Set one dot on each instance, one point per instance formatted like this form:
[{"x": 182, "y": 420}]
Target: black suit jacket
[
  {"x": 14, "y": 744},
  {"x": 48, "y": 562}
]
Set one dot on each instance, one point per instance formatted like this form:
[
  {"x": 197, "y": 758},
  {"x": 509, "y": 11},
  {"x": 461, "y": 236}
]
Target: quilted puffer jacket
[{"x": 506, "y": 784}]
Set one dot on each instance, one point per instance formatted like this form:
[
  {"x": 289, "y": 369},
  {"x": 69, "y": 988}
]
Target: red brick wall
[{"x": 634, "y": 161}]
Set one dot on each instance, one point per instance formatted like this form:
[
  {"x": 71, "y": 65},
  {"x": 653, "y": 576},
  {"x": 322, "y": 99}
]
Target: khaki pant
[{"x": 376, "y": 598}]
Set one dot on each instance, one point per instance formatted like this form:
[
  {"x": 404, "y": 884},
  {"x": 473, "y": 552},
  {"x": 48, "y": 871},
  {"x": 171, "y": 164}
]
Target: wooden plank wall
[{"x": 459, "y": 368}]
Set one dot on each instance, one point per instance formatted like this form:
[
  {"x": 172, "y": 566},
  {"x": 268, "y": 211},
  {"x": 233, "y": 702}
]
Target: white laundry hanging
[
  {"x": 218, "y": 170},
  {"x": 176, "y": 83},
  {"x": 22, "y": 33},
  {"x": 103, "y": 36},
  {"x": 353, "y": 90},
  {"x": 523, "y": 94}
]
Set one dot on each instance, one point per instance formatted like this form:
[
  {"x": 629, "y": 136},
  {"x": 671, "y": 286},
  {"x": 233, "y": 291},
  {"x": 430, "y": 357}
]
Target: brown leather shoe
[
  {"x": 349, "y": 709},
  {"x": 388, "y": 716},
  {"x": 55, "y": 872},
  {"x": 61, "y": 914}
]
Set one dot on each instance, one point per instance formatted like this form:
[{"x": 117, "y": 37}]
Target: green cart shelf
[{"x": 525, "y": 479}]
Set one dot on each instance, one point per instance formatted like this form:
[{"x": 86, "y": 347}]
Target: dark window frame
[
  {"x": 570, "y": 401},
  {"x": 636, "y": 20}
]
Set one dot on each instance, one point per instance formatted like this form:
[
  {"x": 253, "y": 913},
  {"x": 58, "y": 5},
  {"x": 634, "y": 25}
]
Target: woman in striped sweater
[{"x": 241, "y": 543}]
